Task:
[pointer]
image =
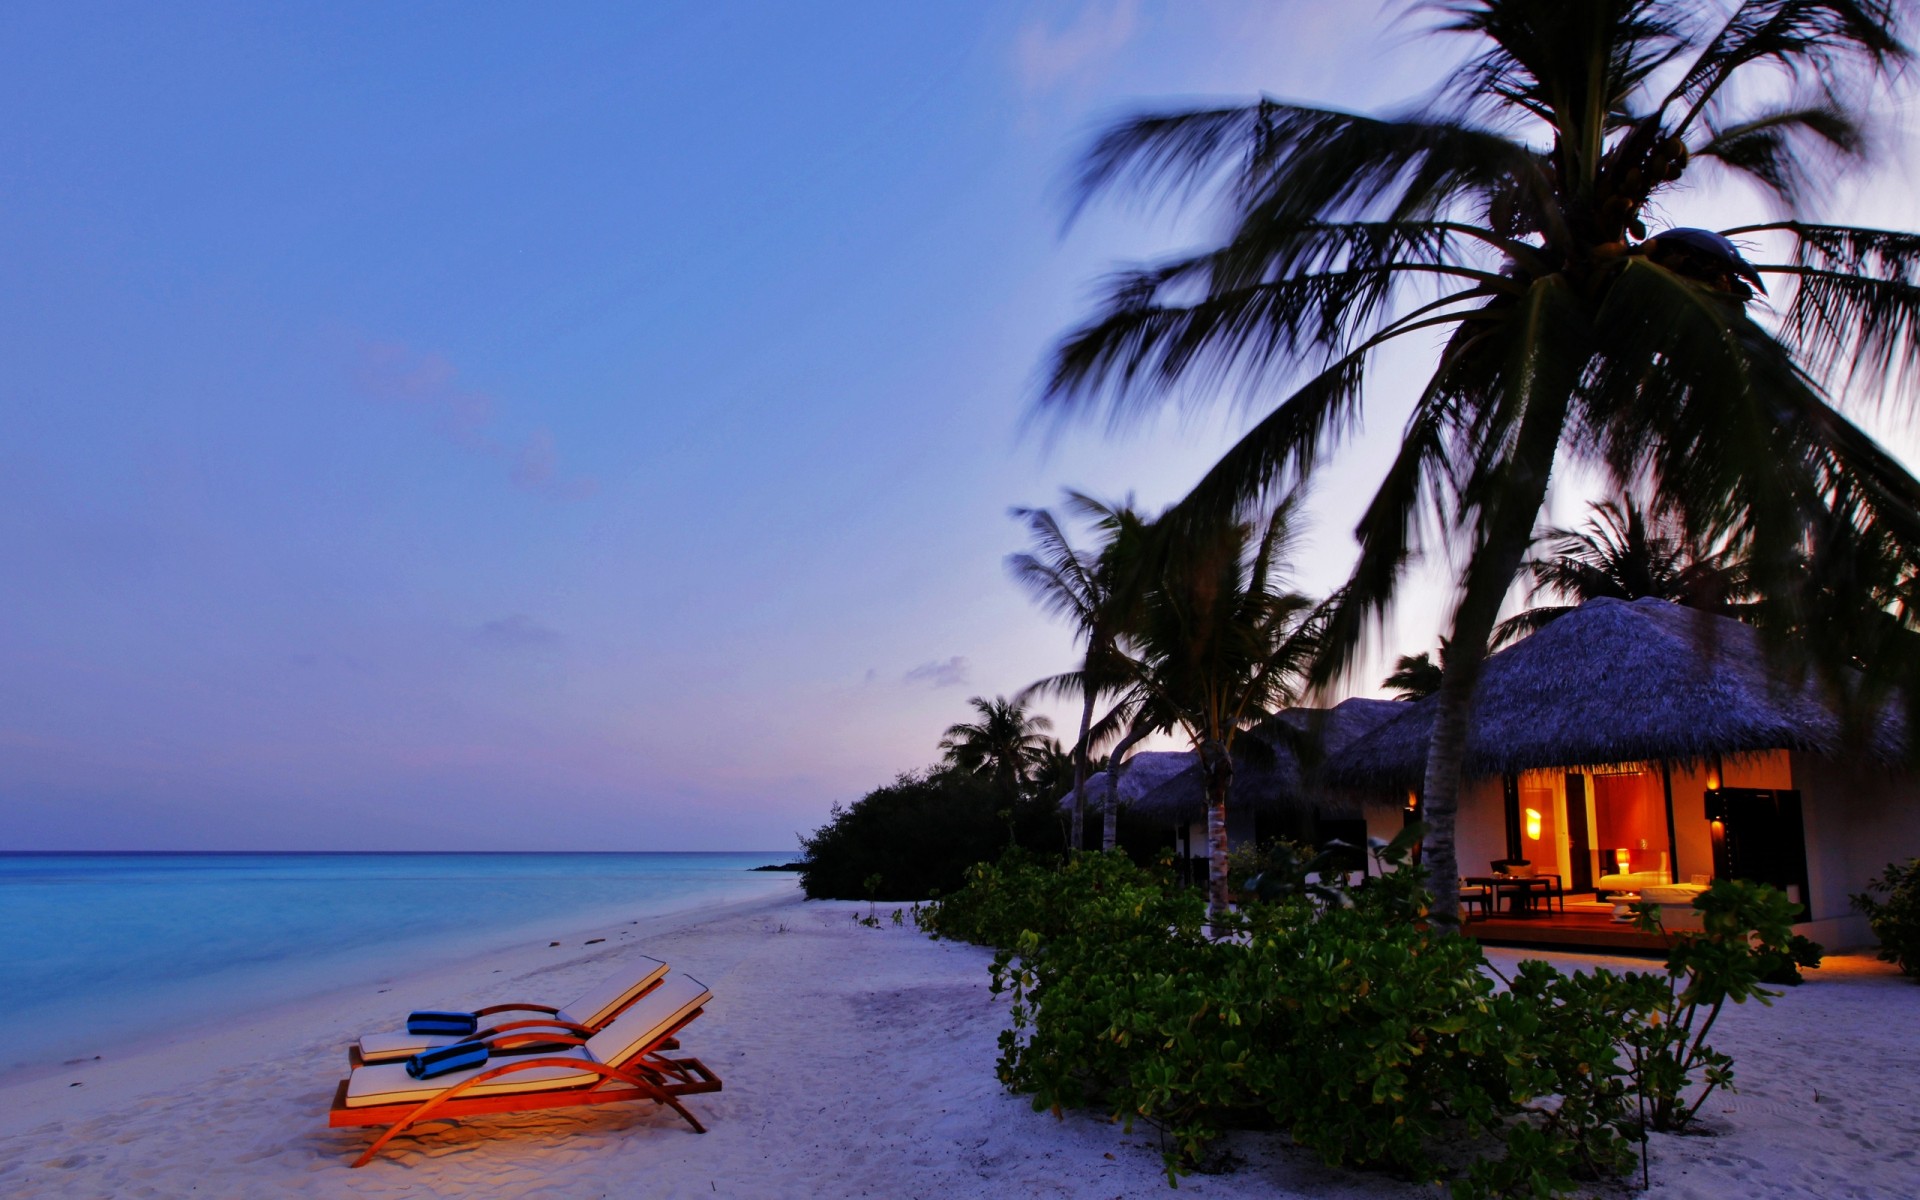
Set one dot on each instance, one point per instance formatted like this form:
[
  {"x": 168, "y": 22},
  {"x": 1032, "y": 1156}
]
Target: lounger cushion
[
  {"x": 610, "y": 995},
  {"x": 650, "y": 1019},
  {"x": 389, "y": 1083}
]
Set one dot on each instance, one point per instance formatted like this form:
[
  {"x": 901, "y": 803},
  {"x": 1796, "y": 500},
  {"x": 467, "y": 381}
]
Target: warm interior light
[
  {"x": 1713, "y": 778},
  {"x": 1533, "y": 824},
  {"x": 1625, "y": 859},
  {"x": 1413, "y": 802}
]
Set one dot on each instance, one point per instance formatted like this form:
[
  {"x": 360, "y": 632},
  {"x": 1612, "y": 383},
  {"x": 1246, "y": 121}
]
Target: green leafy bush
[
  {"x": 1025, "y": 892},
  {"x": 1746, "y": 938},
  {"x": 918, "y": 835},
  {"x": 1895, "y": 921},
  {"x": 1338, "y": 1015}
]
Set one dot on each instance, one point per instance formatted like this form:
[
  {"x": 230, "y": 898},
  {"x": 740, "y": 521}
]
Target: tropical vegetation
[
  {"x": 1417, "y": 676},
  {"x": 917, "y": 837},
  {"x": 994, "y": 788},
  {"x": 1208, "y": 641},
  {"x": 1622, "y": 553},
  {"x": 1507, "y": 217},
  {"x": 1891, "y": 904},
  {"x": 1007, "y": 744},
  {"x": 1097, "y": 592},
  {"x": 1335, "y": 1014}
]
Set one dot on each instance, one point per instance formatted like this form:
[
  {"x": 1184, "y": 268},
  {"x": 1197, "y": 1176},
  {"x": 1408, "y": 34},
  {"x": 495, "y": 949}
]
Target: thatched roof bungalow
[
  {"x": 1615, "y": 682},
  {"x": 1640, "y": 744},
  {"x": 1276, "y": 776}
]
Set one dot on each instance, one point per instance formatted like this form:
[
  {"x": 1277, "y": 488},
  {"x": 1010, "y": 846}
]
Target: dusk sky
[{"x": 581, "y": 427}]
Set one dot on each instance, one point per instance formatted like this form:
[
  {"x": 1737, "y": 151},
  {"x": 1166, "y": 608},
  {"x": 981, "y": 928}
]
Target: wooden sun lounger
[{"x": 634, "y": 1069}]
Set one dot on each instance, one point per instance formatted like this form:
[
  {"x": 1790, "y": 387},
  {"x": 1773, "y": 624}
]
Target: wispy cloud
[
  {"x": 516, "y": 632},
  {"x": 427, "y": 383},
  {"x": 1045, "y": 56},
  {"x": 951, "y": 673}
]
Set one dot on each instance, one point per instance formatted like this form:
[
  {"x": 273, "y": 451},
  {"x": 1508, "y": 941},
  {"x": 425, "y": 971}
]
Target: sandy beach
[{"x": 859, "y": 1062}]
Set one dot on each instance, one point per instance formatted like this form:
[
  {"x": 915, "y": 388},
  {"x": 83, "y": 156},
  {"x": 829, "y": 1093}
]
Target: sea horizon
[{"x": 102, "y": 949}]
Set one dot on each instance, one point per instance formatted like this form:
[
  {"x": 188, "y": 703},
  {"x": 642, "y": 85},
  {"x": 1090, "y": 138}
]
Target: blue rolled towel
[
  {"x": 457, "y": 1057},
  {"x": 442, "y": 1024}
]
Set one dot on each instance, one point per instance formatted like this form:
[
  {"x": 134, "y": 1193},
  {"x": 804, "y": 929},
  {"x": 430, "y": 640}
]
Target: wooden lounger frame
[{"x": 646, "y": 1075}]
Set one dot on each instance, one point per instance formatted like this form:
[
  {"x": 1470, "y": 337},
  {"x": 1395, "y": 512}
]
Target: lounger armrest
[
  {"x": 500, "y": 1008},
  {"x": 535, "y": 1039}
]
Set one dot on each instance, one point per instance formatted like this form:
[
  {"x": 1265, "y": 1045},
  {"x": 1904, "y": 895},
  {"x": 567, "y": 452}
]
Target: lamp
[
  {"x": 1713, "y": 775},
  {"x": 1533, "y": 824},
  {"x": 1623, "y": 856}
]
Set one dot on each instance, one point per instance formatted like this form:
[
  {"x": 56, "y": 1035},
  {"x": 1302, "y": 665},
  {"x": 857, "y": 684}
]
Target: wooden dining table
[{"x": 1518, "y": 889}]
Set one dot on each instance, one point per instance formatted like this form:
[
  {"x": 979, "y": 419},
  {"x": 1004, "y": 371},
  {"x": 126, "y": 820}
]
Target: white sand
[{"x": 859, "y": 1062}]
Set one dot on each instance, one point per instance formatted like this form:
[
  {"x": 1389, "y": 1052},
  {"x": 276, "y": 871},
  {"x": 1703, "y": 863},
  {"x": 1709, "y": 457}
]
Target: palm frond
[
  {"x": 1816, "y": 40},
  {"x": 1067, "y": 685},
  {"x": 1526, "y": 624},
  {"x": 1782, "y": 149},
  {"x": 1389, "y": 533},
  {"x": 1575, "y": 67},
  {"x": 1169, "y": 156},
  {"x": 1855, "y": 314},
  {"x": 1282, "y": 159},
  {"x": 1244, "y": 319}
]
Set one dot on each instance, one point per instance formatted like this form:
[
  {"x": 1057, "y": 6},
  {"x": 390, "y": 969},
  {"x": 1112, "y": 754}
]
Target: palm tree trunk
[
  {"x": 1216, "y": 766},
  {"x": 1116, "y": 767},
  {"x": 1078, "y": 841}
]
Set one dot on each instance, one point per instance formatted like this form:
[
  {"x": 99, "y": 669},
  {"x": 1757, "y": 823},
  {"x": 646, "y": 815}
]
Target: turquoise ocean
[{"x": 102, "y": 950}]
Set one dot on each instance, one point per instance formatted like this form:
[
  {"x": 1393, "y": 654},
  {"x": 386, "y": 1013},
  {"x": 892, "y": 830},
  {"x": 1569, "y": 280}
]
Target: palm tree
[
  {"x": 1619, "y": 554},
  {"x": 1417, "y": 676},
  {"x": 1506, "y": 217},
  {"x": 1095, "y": 593},
  {"x": 1050, "y": 773},
  {"x": 1218, "y": 646},
  {"x": 1005, "y": 745}
]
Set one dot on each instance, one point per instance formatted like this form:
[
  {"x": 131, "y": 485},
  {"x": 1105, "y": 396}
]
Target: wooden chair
[
  {"x": 1472, "y": 894},
  {"x": 583, "y": 1017},
  {"x": 1553, "y": 893},
  {"x": 619, "y": 1064}
]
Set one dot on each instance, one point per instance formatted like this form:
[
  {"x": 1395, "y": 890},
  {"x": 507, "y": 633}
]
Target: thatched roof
[
  {"x": 1165, "y": 785},
  {"x": 1614, "y": 682}
]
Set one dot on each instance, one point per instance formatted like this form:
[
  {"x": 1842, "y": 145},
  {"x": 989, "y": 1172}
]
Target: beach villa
[
  {"x": 1274, "y": 793},
  {"x": 1636, "y": 746}
]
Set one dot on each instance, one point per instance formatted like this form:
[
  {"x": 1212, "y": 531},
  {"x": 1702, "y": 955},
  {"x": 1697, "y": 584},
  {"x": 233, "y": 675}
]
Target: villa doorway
[{"x": 1758, "y": 835}]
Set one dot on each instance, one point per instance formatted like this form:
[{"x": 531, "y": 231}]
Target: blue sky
[{"x": 446, "y": 426}]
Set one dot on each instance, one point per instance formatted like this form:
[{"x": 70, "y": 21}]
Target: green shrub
[
  {"x": 1746, "y": 938},
  {"x": 1896, "y": 921},
  {"x": 1337, "y": 1015},
  {"x": 919, "y": 835},
  {"x": 1029, "y": 892}
]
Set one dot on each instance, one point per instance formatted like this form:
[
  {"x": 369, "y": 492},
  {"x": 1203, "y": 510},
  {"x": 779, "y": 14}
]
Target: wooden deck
[{"x": 1568, "y": 931}]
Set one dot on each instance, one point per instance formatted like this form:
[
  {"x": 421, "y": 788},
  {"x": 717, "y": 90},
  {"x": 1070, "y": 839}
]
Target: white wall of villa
[{"x": 1858, "y": 819}]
